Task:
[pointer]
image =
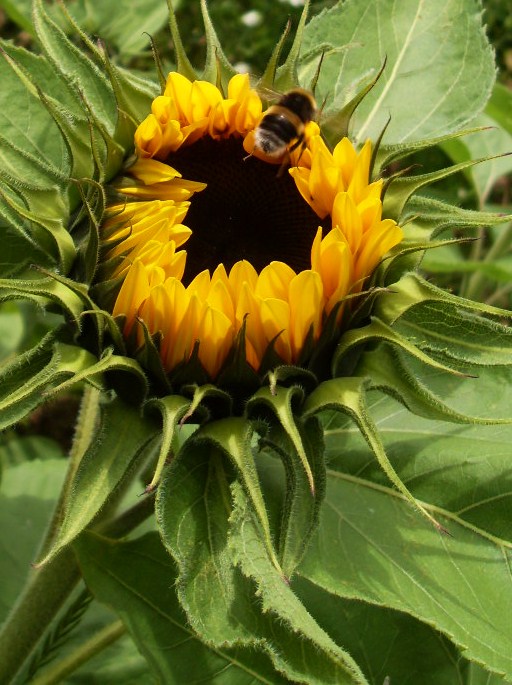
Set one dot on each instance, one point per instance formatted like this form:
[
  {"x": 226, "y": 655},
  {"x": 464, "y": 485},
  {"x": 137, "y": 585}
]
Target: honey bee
[{"x": 285, "y": 123}]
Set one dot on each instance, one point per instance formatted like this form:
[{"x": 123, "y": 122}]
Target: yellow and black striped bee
[{"x": 285, "y": 122}]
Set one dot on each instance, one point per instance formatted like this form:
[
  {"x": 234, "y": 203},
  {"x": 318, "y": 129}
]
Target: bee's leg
[
  {"x": 284, "y": 164},
  {"x": 300, "y": 142}
]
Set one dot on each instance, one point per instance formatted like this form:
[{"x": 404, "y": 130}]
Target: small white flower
[{"x": 252, "y": 18}]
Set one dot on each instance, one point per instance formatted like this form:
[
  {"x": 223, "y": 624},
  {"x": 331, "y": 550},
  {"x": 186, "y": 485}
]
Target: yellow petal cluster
[
  {"x": 276, "y": 306},
  {"x": 337, "y": 184},
  {"x": 189, "y": 110}
]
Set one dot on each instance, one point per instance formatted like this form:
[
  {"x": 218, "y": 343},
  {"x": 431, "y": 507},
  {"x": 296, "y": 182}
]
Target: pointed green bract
[
  {"x": 122, "y": 442},
  {"x": 172, "y": 409},
  {"x": 300, "y": 512},
  {"x": 287, "y": 74},
  {"x": 217, "y": 68}
]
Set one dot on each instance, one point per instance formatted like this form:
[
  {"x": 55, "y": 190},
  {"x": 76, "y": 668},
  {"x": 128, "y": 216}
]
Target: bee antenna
[{"x": 314, "y": 81}]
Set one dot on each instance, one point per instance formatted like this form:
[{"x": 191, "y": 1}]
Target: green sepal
[
  {"x": 288, "y": 375},
  {"x": 71, "y": 62},
  {"x": 217, "y": 68},
  {"x": 190, "y": 372},
  {"x": 43, "y": 291},
  {"x": 172, "y": 409},
  {"x": 121, "y": 371},
  {"x": 128, "y": 117},
  {"x": 434, "y": 216},
  {"x": 336, "y": 126},
  {"x": 300, "y": 511},
  {"x": 399, "y": 189},
  {"x": 269, "y": 75},
  {"x": 133, "y": 94},
  {"x": 412, "y": 289},
  {"x": 348, "y": 396},
  {"x": 48, "y": 230},
  {"x": 123, "y": 439},
  {"x": 87, "y": 236},
  {"x": 43, "y": 370},
  {"x": 209, "y": 400},
  {"x": 77, "y": 134},
  {"x": 287, "y": 75},
  {"x": 388, "y": 154},
  {"x": 183, "y": 64},
  {"x": 237, "y": 376},
  {"x": 25, "y": 170},
  {"x": 388, "y": 371},
  {"x": 378, "y": 331},
  {"x": 457, "y": 334},
  {"x": 405, "y": 258},
  {"x": 283, "y": 404},
  {"x": 148, "y": 356}
]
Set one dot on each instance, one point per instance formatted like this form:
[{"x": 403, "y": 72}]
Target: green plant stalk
[
  {"x": 45, "y": 593},
  {"x": 86, "y": 651},
  {"x": 499, "y": 247},
  {"x": 48, "y": 588}
]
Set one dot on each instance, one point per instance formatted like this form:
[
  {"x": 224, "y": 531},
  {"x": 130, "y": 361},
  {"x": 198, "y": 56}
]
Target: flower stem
[
  {"x": 45, "y": 593},
  {"x": 86, "y": 651}
]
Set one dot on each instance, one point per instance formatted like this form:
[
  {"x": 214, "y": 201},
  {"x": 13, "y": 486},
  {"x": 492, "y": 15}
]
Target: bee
[{"x": 285, "y": 123}]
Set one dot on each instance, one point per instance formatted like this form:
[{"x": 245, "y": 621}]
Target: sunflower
[{"x": 209, "y": 243}]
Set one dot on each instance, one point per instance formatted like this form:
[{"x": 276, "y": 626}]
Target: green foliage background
[{"x": 377, "y": 580}]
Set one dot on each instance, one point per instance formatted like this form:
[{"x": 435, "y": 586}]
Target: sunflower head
[{"x": 233, "y": 259}]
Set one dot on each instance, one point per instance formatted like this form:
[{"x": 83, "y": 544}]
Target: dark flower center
[{"x": 247, "y": 210}]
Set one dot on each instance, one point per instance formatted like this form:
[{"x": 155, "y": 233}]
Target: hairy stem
[{"x": 45, "y": 593}]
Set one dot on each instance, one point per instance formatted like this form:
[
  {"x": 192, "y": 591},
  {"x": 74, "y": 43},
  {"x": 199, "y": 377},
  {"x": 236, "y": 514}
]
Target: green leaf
[
  {"x": 194, "y": 515},
  {"x": 137, "y": 580},
  {"x": 29, "y": 491},
  {"x": 326, "y": 661},
  {"x": 373, "y": 547},
  {"x": 122, "y": 441},
  {"x": 439, "y": 72},
  {"x": 385, "y": 642}
]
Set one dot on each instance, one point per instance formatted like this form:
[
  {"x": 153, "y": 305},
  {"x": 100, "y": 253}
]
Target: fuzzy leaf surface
[
  {"x": 372, "y": 546},
  {"x": 122, "y": 439},
  {"x": 439, "y": 71},
  {"x": 137, "y": 580},
  {"x": 194, "y": 509}
]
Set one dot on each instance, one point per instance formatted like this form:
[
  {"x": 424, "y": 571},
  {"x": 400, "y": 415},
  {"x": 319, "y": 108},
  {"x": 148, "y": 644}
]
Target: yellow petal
[
  {"x": 134, "y": 291},
  {"x": 274, "y": 281},
  {"x": 216, "y": 337},
  {"x": 275, "y": 321},
  {"x": 306, "y": 300}
]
